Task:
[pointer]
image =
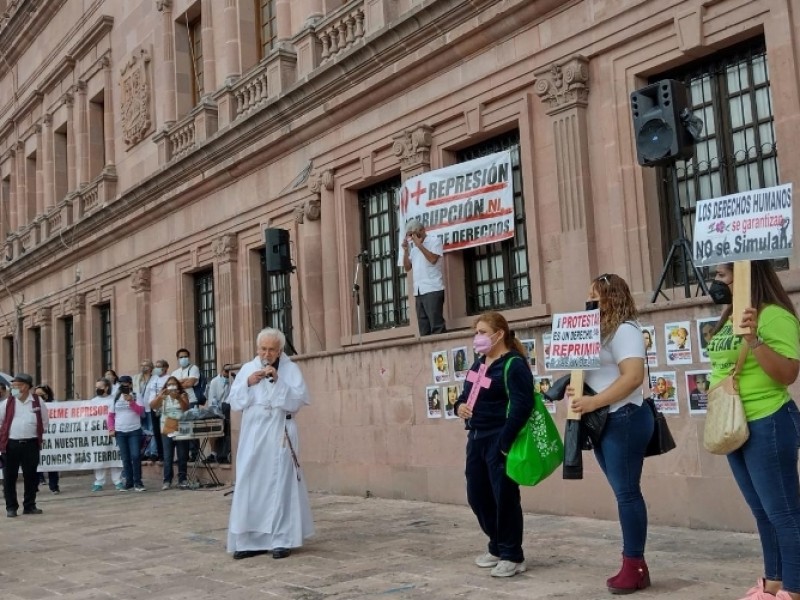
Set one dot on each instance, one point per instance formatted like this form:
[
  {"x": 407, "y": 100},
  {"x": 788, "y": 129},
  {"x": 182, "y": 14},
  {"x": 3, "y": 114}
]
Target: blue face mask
[
  {"x": 183, "y": 361},
  {"x": 158, "y": 371},
  {"x": 15, "y": 392}
]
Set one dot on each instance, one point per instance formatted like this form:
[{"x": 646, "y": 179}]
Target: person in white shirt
[
  {"x": 187, "y": 374},
  {"x": 23, "y": 421},
  {"x": 140, "y": 382},
  {"x": 125, "y": 424},
  {"x": 153, "y": 389},
  {"x": 103, "y": 396},
  {"x": 422, "y": 254}
]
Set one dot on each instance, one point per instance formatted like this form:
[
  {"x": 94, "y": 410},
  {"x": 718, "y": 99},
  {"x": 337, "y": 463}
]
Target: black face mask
[
  {"x": 720, "y": 292},
  {"x": 592, "y": 304},
  {"x": 100, "y": 391}
]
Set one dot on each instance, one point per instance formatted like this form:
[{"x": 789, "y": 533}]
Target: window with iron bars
[
  {"x": 106, "y": 346},
  {"x": 69, "y": 359},
  {"x": 276, "y": 302},
  {"x": 385, "y": 295},
  {"x": 736, "y": 151},
  {"x": 497, "y": 274},
  {"x": 205, "y": 322},
  {"x": 266, "y": 15}
]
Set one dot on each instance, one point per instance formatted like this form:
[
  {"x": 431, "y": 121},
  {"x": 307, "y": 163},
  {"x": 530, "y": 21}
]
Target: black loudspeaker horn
[
  {"x": 278, "y": 257},
  {"x": 660, "y": 112}
]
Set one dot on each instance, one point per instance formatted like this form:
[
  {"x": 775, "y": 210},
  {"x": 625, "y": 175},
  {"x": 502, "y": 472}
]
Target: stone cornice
[
  {"x": 244, "y": 139},
  {"x": 94, "y": 34},
  {"x": 23, "y": 27}
]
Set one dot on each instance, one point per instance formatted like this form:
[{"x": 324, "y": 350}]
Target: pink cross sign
[{"x": 478, "y": 380}]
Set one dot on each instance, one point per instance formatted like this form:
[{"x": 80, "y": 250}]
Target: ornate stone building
[{"x": 146, "y": 145}]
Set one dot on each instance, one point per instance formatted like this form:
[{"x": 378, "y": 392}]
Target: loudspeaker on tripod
[
  {"x": 278, "y": 257},
  {"x": 660, "y": 111}
]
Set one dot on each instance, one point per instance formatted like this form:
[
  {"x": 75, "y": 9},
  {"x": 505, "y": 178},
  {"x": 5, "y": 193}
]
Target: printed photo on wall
[
  {"x": 704, "y": 329},
  {"x": 665, "y": 391},
  {"x": 530, "y": 353},
  {"x": 541, "y": 385},
  {"x": 441, "y": 369},
  {"x": 547, "y": 339},
  {"x": 459, "y": 362},
  {"x": 451, "y": 393},
  {"x": 697, "y": 384},
  {"x": 434, "y": 402},
  {"x": 678, "y": 343},
  {"x": 649, "y": 335}
]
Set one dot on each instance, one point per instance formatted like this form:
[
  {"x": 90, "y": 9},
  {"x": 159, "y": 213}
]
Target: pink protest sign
[{"x": 478, "y": 380}]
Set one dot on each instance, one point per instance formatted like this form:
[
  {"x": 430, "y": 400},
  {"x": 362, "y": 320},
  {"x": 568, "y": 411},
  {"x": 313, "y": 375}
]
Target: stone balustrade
[
  {"x": 182, "y": 137},
  {"x": 251, "y": 91},
  {"x": 341, "y": 30}
]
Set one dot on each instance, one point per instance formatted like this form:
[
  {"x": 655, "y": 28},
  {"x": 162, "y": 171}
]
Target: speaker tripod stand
[{"x": 680, "y": 244}]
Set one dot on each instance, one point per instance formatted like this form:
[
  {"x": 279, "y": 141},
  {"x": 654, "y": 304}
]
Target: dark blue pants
[
  {"x": 493, "y": 497},
  {"x": 766, "y": 470},
  {"x": 171, "y": 447},
  {"x": 130, "y": 443},
  {"x": 621, "y": 457}
]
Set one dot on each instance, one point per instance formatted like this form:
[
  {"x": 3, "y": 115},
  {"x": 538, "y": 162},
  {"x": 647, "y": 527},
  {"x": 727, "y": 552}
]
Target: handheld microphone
[
  {"x": 270, "y": 378},
  {"x": 363, "y": 256}
]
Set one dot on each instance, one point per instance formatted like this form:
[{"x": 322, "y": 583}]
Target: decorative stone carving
[
  {"x": 299, "y": 214},
  {"x": 140, "y": 280},
  {"x": 413, "y": 146},
  {"x": 137, "y": 114},
  {"x": 41, "y": 317},
  {"x": 162, "y": 5},
  {"x": 312, "y": 208},
  {"x": 225, "y": 247},
  {"x": 75, "y": 304},
  {"x": 564, "y": 84}
]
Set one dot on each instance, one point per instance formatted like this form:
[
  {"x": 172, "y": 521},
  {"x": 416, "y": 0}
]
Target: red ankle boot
[{"x": 633, "y": 576}]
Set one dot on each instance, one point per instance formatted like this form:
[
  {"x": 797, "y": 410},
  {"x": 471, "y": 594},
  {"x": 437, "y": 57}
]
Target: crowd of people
[{"x": 270, "y": 510}]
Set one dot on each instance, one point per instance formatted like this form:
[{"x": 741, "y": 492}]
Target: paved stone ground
[{"x": 171, "y": 545}]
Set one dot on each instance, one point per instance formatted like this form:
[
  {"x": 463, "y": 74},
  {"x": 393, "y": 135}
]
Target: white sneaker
[
  {"x": 506, "y": 568},
  {"x": 484, "y": 561}
]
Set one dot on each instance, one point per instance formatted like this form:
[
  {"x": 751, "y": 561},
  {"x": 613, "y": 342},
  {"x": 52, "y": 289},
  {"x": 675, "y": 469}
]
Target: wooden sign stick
[
  {"x": 741, "y": 294},
  {"x": 576, "y": 381}
]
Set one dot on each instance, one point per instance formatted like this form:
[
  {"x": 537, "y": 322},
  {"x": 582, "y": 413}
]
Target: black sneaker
[{"x": 32, "y": 511}]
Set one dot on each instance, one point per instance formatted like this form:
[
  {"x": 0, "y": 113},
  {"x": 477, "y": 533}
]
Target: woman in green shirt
[{"x": 765, "y": 467}]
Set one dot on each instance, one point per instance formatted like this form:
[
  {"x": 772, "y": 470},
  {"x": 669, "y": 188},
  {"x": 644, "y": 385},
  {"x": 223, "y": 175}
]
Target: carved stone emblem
[
  {"x": 137, "y": 114},
  {"x": 140, "y": 280}
]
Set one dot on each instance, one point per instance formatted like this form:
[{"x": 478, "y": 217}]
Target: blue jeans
[
  {"x": 129, "y": 443},
  {"x": 170, "y": 447},
  {"x": 766, "y": 470},
  {"x": 621, "y": 457}
]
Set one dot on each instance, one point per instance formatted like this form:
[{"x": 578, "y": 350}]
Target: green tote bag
[{"x": 538, "y": 449}]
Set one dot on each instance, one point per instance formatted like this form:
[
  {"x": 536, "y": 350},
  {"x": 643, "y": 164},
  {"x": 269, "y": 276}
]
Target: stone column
[
  {"x": 331, "y": 269},
  {"x": 283, "y": 20},
  {"x": 169, "y": 100},
  {"x": 233, "y": 67},
  {"x": 49, "y": 182},
  {"x": 22, "y": 196},
  {"x": 72, "y": 155},
  {"x": 226, "y": 291},
  {"x": 413, "y": 149},
  {"x": 140, "y": 283},
  {"x": 82, "y": 135},
  {"x": 43, "y": 319},
  {"x": 564, "y": 88},
  {"x": 108, "y": 115},
  {"x": 207, "y": 39},
  {"x": 39, "y": 173},
  {"x": 13, "y": 218}
]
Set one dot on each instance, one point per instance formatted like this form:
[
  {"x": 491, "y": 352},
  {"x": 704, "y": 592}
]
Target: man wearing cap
[{"x": 23, "y": 420}]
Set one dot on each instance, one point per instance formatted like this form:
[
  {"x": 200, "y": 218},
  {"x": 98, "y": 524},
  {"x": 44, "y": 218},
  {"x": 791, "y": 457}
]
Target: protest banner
[
  {"x": 575, "y": 342},
  {"x": 752, "y": 225},
  {"x": 77, "y": 438},
  {"x": 466, "y": 205}
]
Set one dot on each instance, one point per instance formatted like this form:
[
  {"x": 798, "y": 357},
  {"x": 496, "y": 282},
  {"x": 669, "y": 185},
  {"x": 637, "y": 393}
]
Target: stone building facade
[{"x": 146, "y": 145}]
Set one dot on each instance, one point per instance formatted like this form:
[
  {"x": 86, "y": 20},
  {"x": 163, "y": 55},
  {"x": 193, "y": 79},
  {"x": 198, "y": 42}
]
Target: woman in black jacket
[{"x": 493, "y": 420}]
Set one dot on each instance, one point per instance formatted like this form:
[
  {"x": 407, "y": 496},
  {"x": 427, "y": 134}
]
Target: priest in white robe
[{"x": 270, "y": 510}]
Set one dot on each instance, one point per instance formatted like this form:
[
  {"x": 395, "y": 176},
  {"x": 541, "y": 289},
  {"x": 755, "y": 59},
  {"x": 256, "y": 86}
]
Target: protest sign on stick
[{"x": 741, "y": 294}]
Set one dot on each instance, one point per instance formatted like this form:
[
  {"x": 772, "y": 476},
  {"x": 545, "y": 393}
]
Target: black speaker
[
  {"x": 659, "y": 114},
  {"x": 278, "y": 258}
]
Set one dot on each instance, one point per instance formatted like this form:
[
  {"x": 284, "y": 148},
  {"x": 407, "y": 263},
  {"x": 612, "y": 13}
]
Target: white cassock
[{"x": 270, "y": 506}]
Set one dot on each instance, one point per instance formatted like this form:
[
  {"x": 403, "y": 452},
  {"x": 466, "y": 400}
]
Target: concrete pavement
[{"x": 171, "y": 545}]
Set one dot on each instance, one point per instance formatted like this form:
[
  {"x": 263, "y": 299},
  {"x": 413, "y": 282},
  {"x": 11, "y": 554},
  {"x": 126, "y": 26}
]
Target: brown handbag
[{"x": 726, "y": 424}]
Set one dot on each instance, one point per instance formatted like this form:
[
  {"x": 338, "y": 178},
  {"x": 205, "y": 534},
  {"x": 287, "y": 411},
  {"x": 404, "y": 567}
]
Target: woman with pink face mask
[{"x": 493, "y": 419}]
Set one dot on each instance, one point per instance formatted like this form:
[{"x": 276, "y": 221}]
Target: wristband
[{"x": 755, "y": 343}]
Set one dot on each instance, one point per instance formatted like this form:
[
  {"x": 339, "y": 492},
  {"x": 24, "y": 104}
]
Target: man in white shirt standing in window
[
  {"x": 422, "y": 254},
  {"x": 23, "y": 421}
]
